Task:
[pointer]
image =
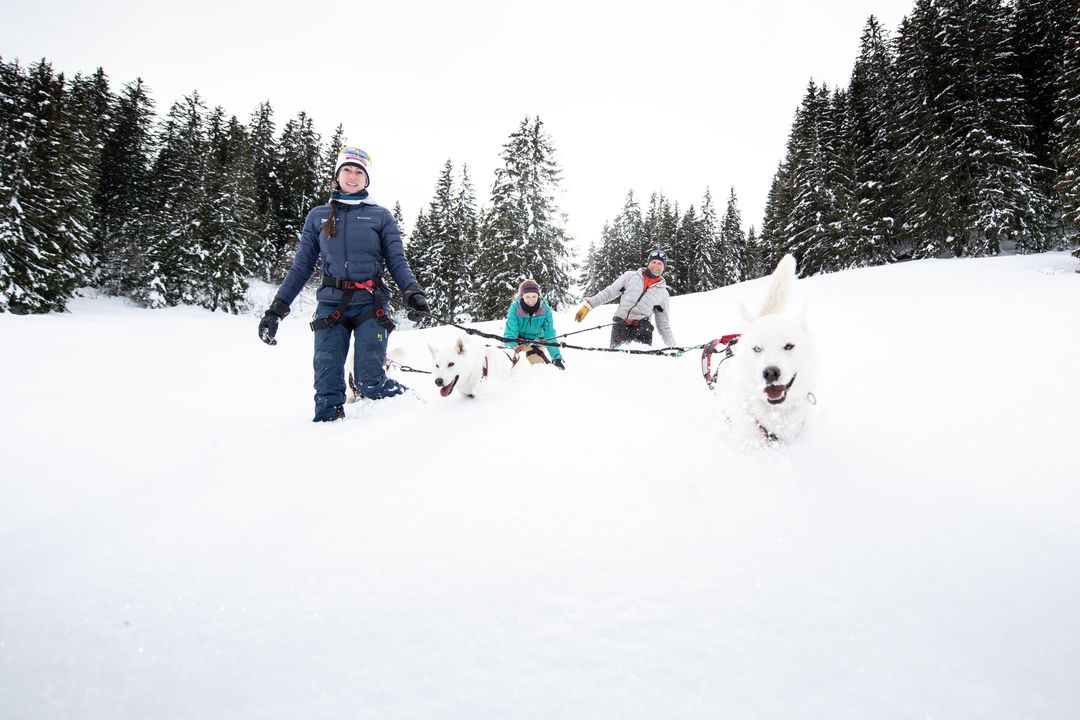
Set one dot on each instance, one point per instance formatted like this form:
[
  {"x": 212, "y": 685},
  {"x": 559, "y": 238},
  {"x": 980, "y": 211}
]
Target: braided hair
[{"x": 331, "y": 220}]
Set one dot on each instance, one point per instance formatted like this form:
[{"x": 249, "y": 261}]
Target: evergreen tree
[
  {"x": 1068, "y": 150},
  {"x": 465, "y": 249},
  {"x": 660, "y": 225},
  {"x": 88, "y": 119},
  {"x": 124, "y": 194},
  {"x": 972, "y": 187},
  {"x": 333, "y": 149},
  {"x": 755, "y": 256},
  {"x": 174, "y": 251},
  {"x": 813, "y": 207},
  {"x": 926, "y": 200},
  {"x": 685, "y": 275},
  {"x": 1039, "y": 34},
  {"x": 44, "y": 234},
  {"x": 779, "y": 205},
  {"x": 304, "y": 186},
  {"x": 523, "y": 232},
  {"x": 709, "y": 258},
  {"x": 734, "y": 258},
  {"x": 20, "y": 263},
  {"x": 275, "y": 246},
  {"x": 432, "y": 244},
  {"x": 227, "y": 228},
  {"x": 869, "y": 135}
]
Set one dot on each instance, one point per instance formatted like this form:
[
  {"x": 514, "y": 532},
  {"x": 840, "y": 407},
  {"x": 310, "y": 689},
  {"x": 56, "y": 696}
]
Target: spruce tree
[
  {"x": 433, "y": 244},
  {"x": 332, "y": 150},
  {"x": 174, "y": 252},
  {"x": 734, "y": 259},
  {"x": 926, "y": 199},
  {"x": 1039, "y": 35},
  {"x": 300, "y": 170},
  {"x": 813, "y": 207},
  {"x": 20, "y": 264},
  {"x": 50, "y": 203},
  {"x": 228, "y": 223},
  {"x": 1068, "y": 150},
  {"x": 709, "y": 258},
  {"x": 755, "y": 255},
  {"x": 660, "y": 224},
  {"x": 464, "y": 248},
  {"x": 124, "y": 194},
  {"x": 89, "y": 120},
  {"x": 870, "y": 137},
  {"x": 779, "y": 205},
  {"x": 685, "y": 274},
  {"x": 523, "y": 232},
  {"x": 999, "y": 193},
  {"x": 274, "y": 246}
]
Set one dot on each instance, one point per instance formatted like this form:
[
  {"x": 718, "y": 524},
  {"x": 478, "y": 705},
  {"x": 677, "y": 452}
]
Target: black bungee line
[{"x": 662, "y": 352}]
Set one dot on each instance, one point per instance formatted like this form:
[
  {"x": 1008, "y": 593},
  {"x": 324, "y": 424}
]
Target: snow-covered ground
[{"x": 178, "y": 540}]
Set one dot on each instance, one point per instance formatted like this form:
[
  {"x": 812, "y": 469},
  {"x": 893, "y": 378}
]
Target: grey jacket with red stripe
[{"x": 636, "y": 302}]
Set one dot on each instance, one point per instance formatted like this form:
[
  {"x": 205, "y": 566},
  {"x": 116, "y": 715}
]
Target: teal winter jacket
[{"x": 537, "y": 325}]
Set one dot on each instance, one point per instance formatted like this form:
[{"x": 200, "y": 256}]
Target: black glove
[
  {"x": 268, "y": 325},
  {"x": 415, "y": 299},
  {"x": 557, "y": 362}
]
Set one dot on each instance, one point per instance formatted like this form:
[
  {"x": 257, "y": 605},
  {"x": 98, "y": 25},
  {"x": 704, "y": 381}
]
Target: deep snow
[{"x": 177, "y": 539}]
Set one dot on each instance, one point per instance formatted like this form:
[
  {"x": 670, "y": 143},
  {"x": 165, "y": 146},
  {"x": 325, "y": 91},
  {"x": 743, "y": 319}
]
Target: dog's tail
[{"x": 779, "y": 286}]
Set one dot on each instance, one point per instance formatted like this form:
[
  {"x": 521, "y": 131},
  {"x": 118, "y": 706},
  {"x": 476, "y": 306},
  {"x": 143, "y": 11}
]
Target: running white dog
[
  {"x": 462, "y": 364},
  {"x": 769, "y": 384}
]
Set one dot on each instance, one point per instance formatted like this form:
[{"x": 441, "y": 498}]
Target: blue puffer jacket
[
  {"x": 366, "y": 244},
  {"x": 537, "y": 325}
]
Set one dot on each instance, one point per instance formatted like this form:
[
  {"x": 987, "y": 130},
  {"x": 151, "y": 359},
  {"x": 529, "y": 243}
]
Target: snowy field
[{"x": 178, "y": 540}]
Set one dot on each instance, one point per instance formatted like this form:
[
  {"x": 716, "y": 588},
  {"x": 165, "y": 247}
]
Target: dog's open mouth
[
  {"x": 777, "y": 394},
  {"x": 447, "y": 389}
]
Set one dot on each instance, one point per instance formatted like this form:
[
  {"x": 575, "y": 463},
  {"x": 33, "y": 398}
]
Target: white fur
[
  {"x": 459, "y": 365},
  {"x": 768, "y": 386},
  {"x": 394, "y": 355}
]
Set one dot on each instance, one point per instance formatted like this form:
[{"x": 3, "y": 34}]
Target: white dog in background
[
  {"x": 462, "y": 364},
  {"x": 768, "y": 386},
  {"x": 352, "y": 389}
]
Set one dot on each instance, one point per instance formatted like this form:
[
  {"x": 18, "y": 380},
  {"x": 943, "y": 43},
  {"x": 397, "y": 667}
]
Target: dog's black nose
[
  {"x": 438, "y": 381},
  {"x": 771, "y": 374}
]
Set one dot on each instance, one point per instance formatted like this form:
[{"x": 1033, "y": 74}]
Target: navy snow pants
[{"x": 331, "y": 349}]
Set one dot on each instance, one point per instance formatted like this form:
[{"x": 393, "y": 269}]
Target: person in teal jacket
[{"x": 530, "y": 318}]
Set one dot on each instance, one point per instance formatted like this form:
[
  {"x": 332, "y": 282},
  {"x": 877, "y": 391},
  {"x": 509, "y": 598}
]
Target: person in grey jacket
[
  {"x": 356, "y": 241},
  {"x": 642, "y": 294}
]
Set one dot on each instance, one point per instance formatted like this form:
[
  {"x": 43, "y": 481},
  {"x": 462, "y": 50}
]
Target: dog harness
[{"x": 712, "y": 348}]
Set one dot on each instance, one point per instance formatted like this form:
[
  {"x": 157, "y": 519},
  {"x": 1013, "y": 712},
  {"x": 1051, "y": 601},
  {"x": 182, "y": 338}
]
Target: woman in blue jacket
[
  {"x": 530, "y": 318},
  {"x": 357, "y": 241}
]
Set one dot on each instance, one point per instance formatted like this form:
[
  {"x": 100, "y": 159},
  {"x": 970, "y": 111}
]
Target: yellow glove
[{"x": 582, "y": 312}]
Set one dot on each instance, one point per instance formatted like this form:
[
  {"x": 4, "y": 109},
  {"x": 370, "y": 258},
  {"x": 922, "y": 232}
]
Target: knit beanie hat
[
  {"x": 353, "y": 156},
  {"x": 529, "y": 286}
]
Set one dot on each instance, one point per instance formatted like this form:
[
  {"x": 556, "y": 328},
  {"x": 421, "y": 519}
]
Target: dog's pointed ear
[
  {"x": 432, "y": 349},
  {"x": 745, "y": 314},
  {"x": 460, "y": 346},
  {"x": 802, "y": 316}
]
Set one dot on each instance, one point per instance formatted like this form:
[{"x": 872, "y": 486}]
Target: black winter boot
[{"x": 335, "y": 413}]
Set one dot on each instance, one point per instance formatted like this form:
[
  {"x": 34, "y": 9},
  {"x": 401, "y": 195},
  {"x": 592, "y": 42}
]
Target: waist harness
[{"x": 348, "y": 287}]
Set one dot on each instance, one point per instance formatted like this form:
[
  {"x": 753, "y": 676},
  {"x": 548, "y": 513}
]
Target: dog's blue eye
[
  {"x": 758, "y": 348},
  {"x": 789, "y": 346}
]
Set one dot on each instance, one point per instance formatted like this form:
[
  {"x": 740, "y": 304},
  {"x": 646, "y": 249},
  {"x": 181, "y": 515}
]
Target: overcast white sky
[{"x": 672, "y": 96}]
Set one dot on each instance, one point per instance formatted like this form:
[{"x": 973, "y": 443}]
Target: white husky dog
[
  {"x": 462, "y": 363},
  {"x": 769, "y": 384}
]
